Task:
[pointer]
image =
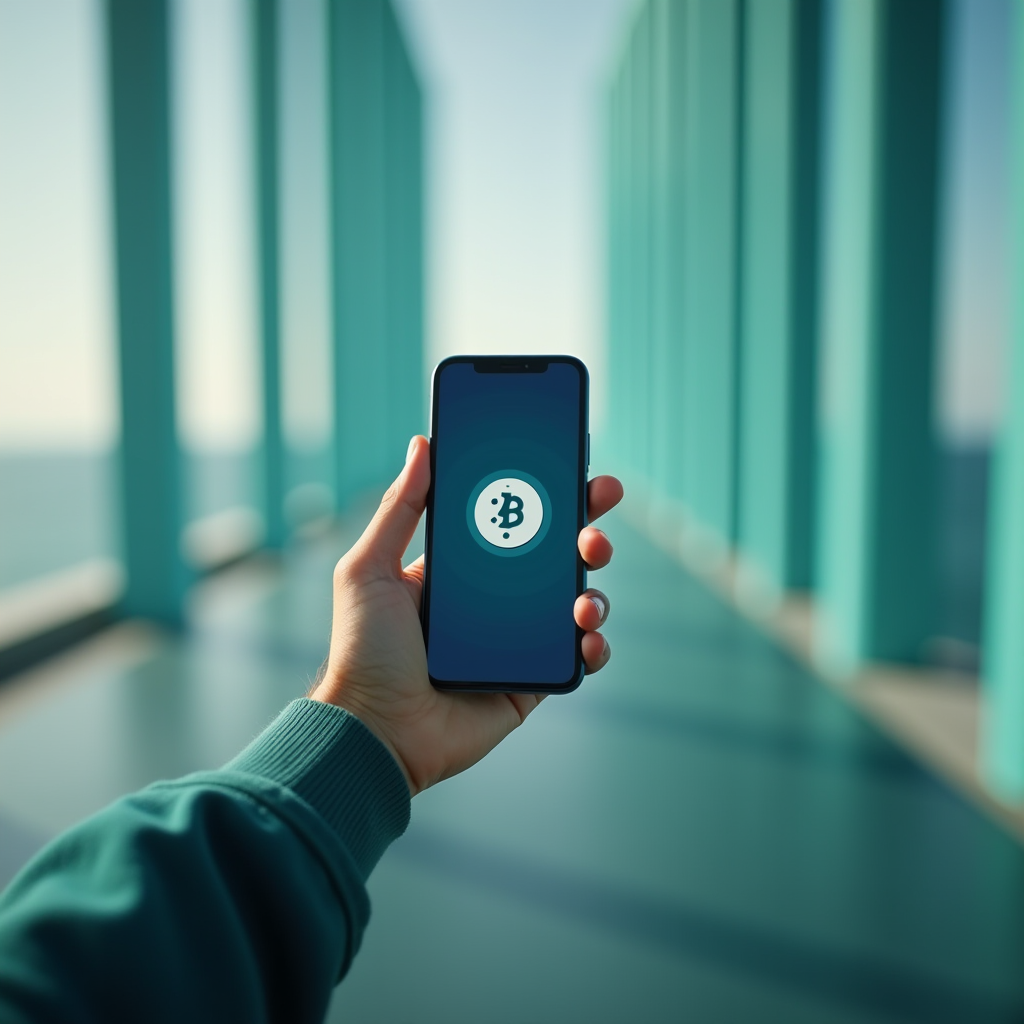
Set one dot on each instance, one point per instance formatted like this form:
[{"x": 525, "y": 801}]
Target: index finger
[{"x": 603, "y": 494}]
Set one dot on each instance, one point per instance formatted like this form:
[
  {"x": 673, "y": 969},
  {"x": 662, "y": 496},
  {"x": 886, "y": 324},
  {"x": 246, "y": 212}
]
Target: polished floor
[{"x": 702, "y": 833}]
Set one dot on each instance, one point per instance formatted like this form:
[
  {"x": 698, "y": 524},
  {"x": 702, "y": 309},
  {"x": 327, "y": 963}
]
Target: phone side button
[{"x": 588, "y": 449}]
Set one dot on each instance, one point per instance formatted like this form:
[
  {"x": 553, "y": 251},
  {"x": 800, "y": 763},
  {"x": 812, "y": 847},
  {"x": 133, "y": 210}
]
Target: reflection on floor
[{"x": 702, "y": 833}]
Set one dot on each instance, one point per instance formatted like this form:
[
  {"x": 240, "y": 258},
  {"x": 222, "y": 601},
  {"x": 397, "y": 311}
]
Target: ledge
[{"x": 933, "y": 713}]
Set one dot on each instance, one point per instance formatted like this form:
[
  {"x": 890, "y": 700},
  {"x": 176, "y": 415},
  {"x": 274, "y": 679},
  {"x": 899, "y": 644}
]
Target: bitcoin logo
[
  {"x": 512, "y": 505},
  {"x": 509, "y": 513}
]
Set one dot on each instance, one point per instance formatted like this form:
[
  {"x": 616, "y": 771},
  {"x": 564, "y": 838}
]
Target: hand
[{"x": 377, "y": 668}]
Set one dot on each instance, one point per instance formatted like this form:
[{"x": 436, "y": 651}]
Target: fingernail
[
  {"x": 607, "y": 648},
  {"x": 599, "y": 605},
  {"x": 408, "y": 453}
]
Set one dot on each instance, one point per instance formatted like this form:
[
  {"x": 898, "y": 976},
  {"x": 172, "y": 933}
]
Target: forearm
[{"x": 229, "y": 895}]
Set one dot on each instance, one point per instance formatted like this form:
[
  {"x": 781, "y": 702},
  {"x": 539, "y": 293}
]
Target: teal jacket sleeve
[{"x": 232, "y": 895}]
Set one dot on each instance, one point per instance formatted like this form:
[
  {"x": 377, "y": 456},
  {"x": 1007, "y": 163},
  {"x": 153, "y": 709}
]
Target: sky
[
  {"x": 515, "y": 236},
  {"x": 516, "y": 191},
  {"x": 56, "y": 322}
]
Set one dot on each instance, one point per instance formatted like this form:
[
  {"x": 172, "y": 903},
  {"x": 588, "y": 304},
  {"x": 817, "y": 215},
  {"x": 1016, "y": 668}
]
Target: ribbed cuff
[{"x": 335, "y": 764}]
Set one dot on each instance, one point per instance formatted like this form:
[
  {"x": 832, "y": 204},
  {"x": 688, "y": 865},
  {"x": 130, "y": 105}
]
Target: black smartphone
[{"x": 509, "y": 454}]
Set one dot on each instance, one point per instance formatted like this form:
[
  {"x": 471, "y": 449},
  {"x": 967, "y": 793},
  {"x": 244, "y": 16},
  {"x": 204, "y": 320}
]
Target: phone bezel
[{"x": 511, "y": 364}]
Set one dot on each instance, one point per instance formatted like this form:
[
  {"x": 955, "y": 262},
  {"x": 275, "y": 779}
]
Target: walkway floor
[{"x": 701, "y": 833}]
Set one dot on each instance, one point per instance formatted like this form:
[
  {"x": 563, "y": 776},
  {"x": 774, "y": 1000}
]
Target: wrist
[{"x": 327, "y": 693}]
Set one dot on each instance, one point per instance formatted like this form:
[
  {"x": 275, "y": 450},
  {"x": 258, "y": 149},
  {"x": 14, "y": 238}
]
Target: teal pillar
[
  {"x": 265, "y": 17},
  {"x": 624, "y": 384},
  {"x": 619, "y": 270},
  {"x": 669, "y": 101},
  {"x": 356, "y": 103},
  {"x": 616, "y": 268},
  {"x": 613, "y": 262},
  {"x": 414, "y": 186},
  {"x": 779, "y": 297},
  {"x": 875, "y": 570},
  {"x": 630, "y": 290},
  {"x": 150, "y": 461},
  {"x": 403, "y": 209},
  {"x": 1002, "y": 739},
  {"x": 395, "y": 291},
  {"x": 709, "y": 399},
  {"x": 641, "y": 148}
]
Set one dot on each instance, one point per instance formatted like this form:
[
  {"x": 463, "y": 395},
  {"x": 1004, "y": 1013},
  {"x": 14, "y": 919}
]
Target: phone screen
[{"x": 503, "y": 569}]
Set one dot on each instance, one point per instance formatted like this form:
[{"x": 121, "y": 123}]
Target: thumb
[{"x": 384, "y": 541}]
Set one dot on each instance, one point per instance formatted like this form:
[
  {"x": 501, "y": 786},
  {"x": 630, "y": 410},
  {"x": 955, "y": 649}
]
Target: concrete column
[
  {"x": 709, "y": 399},
  {"x": 779, "y": 299},
  {"x": 265, "y": 108},
  {"x": 1002, "y": 739},
  {"x": 640, "y": 345},
  {"x": 614, "y": 268},
  {"x": 403, "y": 212},
  {"x": 624, "y": 385},
  {"x": 876, "y": 558},
  {"x": 669, "y": 19},
  {"x": 356, "y": 83},
  {"x": 150, "y": 460}
]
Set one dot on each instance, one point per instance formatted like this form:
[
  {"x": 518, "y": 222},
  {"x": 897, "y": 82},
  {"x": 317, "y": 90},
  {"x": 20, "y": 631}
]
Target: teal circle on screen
[{"x": 522, "y": 549}]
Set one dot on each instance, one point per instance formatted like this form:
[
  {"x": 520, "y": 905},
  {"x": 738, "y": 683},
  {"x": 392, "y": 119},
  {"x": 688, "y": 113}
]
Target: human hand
[{"x": 377, "y": 667}]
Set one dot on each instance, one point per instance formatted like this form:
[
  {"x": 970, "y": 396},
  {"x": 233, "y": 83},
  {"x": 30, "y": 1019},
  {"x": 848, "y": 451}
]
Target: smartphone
[{"x": 509, "y": 458}]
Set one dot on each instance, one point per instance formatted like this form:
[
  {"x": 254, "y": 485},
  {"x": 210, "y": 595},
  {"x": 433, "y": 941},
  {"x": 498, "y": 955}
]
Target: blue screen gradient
[{"x": 492, "y": 618}]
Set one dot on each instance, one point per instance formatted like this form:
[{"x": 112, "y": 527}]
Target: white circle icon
[{"x": 508, "y": 512}]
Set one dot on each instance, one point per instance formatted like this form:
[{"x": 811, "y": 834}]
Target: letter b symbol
[{"x": 508, "y": 510}]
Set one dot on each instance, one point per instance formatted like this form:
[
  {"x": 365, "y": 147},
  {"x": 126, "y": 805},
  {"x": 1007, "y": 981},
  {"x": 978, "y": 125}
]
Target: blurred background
[{"x": 785, "y": 236}]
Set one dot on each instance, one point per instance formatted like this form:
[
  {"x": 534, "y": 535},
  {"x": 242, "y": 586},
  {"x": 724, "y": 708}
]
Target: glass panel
[
  {"x": 215, "y": 259},
  {"x": 58, "y": 393},
  {"x": 305, "y": 239}
]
